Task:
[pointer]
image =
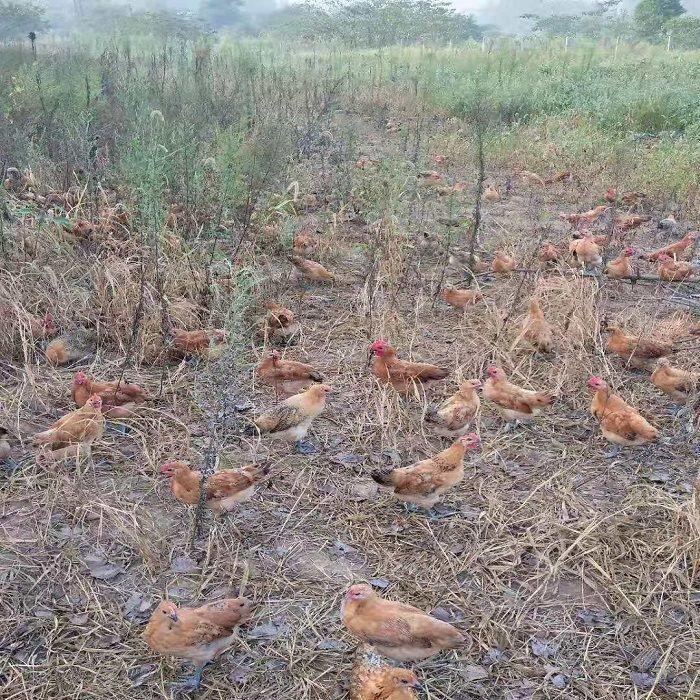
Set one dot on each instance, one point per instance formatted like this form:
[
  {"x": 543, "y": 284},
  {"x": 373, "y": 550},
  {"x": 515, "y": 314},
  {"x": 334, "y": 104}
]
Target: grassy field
[{"x": 575, "y": 574}]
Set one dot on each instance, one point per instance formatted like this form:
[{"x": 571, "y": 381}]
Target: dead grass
[{"x": 575, "y": 575}]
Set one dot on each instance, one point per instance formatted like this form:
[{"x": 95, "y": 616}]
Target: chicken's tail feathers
[{"x": 382, "y": 478}]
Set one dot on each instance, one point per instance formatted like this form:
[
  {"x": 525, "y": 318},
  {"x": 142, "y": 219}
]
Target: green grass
[{"x": 252, "y": 102}]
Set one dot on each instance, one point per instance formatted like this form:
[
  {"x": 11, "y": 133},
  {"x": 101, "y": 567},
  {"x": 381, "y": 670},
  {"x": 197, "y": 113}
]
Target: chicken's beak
[
  {"x": 173, "y": 616},
  {"x": 417, "y": 685}
]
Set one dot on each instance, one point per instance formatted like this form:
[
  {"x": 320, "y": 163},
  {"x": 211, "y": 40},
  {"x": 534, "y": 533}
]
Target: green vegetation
[
  {"x": 17, "y": 19},
  {"x": 590, "y": 107}
]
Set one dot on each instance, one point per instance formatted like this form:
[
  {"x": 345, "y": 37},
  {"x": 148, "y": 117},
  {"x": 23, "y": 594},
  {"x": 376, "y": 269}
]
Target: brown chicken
[
  {"x": 71, "y": 347},
  {"x": 291, "y": 419},
  {"x": 430, "y": 177},
  {"x": 503, "y": 263},
  {"x": 75, "y": 432},
  {"x": 196, "y": 634},
  {"x": 491, "y": 194},
  {"x": 119, "y": 399},
  {"x": 562, "y": 176},
  {"x": 401, "y": 374},
  {"x": 202, "y": 344},
  {"x": 631, "y": 198},
  {"x": 587, "y": 216},
  {"x": 621, "y": 267},
  {"x": 671, "y": 270},
  {"x": 675, "y": 382},
  {"x": 372, "y": 679},
  {"x": 396, "y": 630},
  {"x": 184, "y": 313},
  {"x": 620, "y": 423},
  {"x": 586, "y": 252},
  {"x": 311, "y": 270},
  {"x": 638, "y": 352},
  {"x": 626, "y": 222},
  {"x": 279, "y": 325},
  {"x": 39, "y": 328},
  {"x": 514, "y": 403},
  {"x": 460, "y": 298},
  {"x": 532, "y": 178},
  {"x": 42, "y": 328},
  {"x": 286, "y": 376},
  {"x": 548, "y": 253},
  {"x": 453, "y": 416},
  {"x": 674, "y": 250},
  {"x": 536, "y": 330},
  {"x": 303, "y": 243},
  {"x": 425, "y": 483},
  {"x": 610, "y": 195},
  {"x": 222, "y": 490},
  {"x": 58, "y": 353}
]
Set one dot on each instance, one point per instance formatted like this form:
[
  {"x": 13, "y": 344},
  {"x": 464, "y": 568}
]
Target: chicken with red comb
[{"x": 119, "y": 399}]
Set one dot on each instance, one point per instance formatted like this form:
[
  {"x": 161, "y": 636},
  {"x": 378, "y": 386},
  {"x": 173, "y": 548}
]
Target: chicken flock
[{"x": 386, "y": 630}]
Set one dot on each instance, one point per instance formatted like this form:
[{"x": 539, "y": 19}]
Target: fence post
[{"x": 566, "y": 45}]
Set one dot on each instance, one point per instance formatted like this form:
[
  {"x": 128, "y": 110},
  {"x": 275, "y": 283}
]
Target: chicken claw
[{"x": 191, "y": 684}]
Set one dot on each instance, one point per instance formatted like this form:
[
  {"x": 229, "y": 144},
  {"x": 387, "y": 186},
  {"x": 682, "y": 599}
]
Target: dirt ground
[{"x": 574, "y": 574}]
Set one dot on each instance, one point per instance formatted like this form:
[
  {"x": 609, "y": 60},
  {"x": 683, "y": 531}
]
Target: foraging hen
[
  {"x": 196, "y": 634},
  {"x": 396, "y": 630}
]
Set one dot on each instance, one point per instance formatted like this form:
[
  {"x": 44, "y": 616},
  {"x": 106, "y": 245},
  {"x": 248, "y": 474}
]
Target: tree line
[{"x": 356, "y": 23}]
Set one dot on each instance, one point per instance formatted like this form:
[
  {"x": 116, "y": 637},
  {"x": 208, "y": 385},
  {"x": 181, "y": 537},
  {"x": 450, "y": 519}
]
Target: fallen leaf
[
  {"x": 645, "y": 660},
  {"x": 345, "y": 458},
  {"x": 493, "y": 656},
  {"x": 474, "y": 673},
  {"x": 105, "y": 641},
  {"x": 137, "y": 605},
  {"x": 381, "y": 583},
  {"x": 542, "y": 649},
  {"x": 642, "y": 680},
  {"x": 100, "y": 568},
  {"x": 79, "y": 619},
  {"x": 140, "y": 674},
  {"x": 559, "y": 681},
  {"x": 269, "y": 630},
  {"x": 183, "y": 565},
  {"x": 332, "y": 645}
]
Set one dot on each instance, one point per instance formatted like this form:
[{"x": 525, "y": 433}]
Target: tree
[
  {"x": 650, "y": 17},
  {"x": 222, "y": 13},
  {"x": 18, "y": 19},
  {"x": 685, "y": 31}
]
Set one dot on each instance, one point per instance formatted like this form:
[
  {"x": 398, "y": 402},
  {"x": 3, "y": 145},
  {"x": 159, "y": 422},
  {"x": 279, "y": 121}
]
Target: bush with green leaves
[
  {"x": 651, "y": 16},
  {"x": 17, "y": 19},
  {"x": 375, "y": 23}
]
